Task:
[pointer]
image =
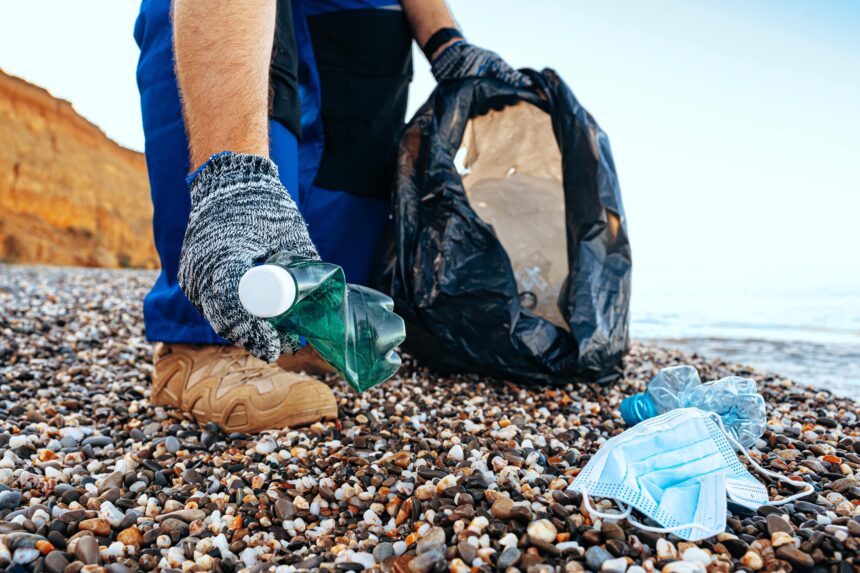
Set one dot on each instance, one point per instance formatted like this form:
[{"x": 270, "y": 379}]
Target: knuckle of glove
[
  {"x": 224, "y": 311},
  {"x": 470, "y": 61}
]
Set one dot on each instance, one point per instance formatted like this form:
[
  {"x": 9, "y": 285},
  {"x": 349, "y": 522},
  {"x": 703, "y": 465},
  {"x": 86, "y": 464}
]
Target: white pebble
[
  {"x": 266, "y": 445},
  {"x": 446, "y": 482},
  {"x": 249, "y": 556},
  {"x": 55, "y": 474},
  {"x": 666, "y": 550},
  {"x": 110, "y": 512},
  {"x": 697, "y": 555},
  {"x": 371, "y": 517},
  {"x": 175, "y": 556},
  {"x": 115, "y": 549},
  {"x": 366, "y": 559},
  {"x": 18, "y": 441},
  {"x": 456, "y": 453},
  {"x": 542, "y": 530},
  {"x": 223, "y": 546},
  {"x": 478, "y": 524},
  {"x": 40, "y": 517},
  {"x": 508, "y": 433},
  {"x": 684, "y": 567},
  {"x": 618, "y": 565},
  {"x": 24, "y": 555},
  {"x": 509, "y": 540}
]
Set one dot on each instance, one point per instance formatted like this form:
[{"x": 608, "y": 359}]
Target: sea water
[{"x": 799, "y": 325}]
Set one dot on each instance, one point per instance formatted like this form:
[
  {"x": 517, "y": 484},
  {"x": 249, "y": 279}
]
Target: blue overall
[{"x": 345, "y": 227}]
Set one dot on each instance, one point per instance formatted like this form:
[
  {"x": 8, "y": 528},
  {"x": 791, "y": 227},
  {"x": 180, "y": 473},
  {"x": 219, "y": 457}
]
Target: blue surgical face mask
[{"x": 678, "y": 469}]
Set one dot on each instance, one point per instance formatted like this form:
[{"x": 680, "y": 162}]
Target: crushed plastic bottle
[
  {"x": 352, "y": 327},
  {"x": 734, "y": 398}
]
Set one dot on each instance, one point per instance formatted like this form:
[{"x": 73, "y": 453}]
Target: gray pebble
[
  {"x": 10, "y": 498},
  {"x": 98, "y": 441},
  {"x": 595, "y": 556},
  {"x": 509, "y": 557},
  {"x": 172, "y": 444},
  {"x": 383, "y": 551},
  {"x": 285, "y": 509},
  {"x": 56, "y": 562},
  {"x": 427, "y": 561},
  {"x": 192, "y": 476},
  {"x": 467, "y": 551}
]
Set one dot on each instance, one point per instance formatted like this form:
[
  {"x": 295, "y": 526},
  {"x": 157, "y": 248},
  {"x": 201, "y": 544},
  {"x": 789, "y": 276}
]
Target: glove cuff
[{"x": 228, "y": 169}]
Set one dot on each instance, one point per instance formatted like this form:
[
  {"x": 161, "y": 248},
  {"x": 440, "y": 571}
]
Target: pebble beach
[{"x": 422, "y": 474}]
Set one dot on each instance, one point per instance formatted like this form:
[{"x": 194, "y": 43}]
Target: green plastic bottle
[{"x": 352, "y": 327}]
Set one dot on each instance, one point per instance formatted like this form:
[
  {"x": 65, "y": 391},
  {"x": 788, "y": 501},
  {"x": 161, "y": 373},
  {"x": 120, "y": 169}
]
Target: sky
[{"x": 734, "y": 125}]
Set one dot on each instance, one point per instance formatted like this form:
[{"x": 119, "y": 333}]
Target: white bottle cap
[{"x": 267, "y": 291}]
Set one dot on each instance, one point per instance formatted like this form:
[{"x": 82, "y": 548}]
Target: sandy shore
[{"x": 423, "y": 474}]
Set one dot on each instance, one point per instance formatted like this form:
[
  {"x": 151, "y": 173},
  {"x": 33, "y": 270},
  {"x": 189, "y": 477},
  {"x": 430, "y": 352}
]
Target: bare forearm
[
  {"x": 426, "y": 17},
  {"x": 223, "y": 51}
]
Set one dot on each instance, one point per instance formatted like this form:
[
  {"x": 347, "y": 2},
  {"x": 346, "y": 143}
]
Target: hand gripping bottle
[
  {"x": 353, "y": 328},
  {"x": 734, "y": 398}
]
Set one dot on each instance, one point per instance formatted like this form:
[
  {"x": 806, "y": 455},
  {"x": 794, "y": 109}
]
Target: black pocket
[{"x": 364, "y": 59}]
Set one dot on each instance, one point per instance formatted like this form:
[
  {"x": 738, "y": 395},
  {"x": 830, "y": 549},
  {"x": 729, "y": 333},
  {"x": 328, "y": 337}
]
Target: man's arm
[
  {"x": 455, "y": 59},
  {"x": 240, "y": 211},
  {"x": 426, "y": 17},
  {"x": 223, "y": 51}
]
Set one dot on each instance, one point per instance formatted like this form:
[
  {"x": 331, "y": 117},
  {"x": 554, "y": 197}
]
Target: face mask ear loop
[
  {"x": 635, "y": 523},
  {"x": 611, "y": 516},
  {"x": 809, "y": 488},
  {"x": 626, "y": 515}
]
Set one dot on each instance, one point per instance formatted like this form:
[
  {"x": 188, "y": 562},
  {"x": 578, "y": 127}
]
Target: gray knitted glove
[
  {"x": 240, "y": 214},
  {"x": 464, "y": 60}
]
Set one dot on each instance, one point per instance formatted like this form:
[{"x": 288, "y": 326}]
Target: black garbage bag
[{"x": 511, "y": 256}]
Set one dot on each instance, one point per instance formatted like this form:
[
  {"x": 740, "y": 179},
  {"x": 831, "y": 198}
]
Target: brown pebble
[
  {"x": 501, "y": 508},
  {"x": 795, "y": 556},
  {"x": 131, "y": 536},
  {"x": 87, "y": 550},
  {"x": 97, "y": 526}
]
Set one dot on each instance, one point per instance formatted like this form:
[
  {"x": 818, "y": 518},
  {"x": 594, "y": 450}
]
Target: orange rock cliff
[{"x": 68, "y": 194}]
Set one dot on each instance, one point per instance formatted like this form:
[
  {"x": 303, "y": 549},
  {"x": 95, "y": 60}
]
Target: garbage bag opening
[
  {"x": 471, "y": 215},
  {"x": 511, "y": 171}
]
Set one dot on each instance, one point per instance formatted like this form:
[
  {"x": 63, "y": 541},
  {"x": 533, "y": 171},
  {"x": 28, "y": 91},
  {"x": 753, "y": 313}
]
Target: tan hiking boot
[
  {"x": 237, "y": 391},
  {"x": 306, "y": 360}
]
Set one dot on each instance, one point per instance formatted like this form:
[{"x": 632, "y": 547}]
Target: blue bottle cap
[{"x": 637, "y": 408}]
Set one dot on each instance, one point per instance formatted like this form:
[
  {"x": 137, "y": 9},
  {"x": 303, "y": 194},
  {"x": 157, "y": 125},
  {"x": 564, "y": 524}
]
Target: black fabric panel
[
  {"x": 285, "y": 104},
  {"x": 364, "y": 59}
]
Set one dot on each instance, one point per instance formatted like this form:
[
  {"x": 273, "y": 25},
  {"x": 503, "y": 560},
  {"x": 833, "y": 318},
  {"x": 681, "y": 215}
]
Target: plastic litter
[
  {"x": 735, "y": 399},
  {"x": 679, "y": 469},
  {"x": 352, "y": 327},
  {"x": 511, "y": 255}
]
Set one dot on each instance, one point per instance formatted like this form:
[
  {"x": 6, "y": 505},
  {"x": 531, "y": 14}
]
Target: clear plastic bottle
[
  {"x": 734, "y": 398},
  {"x": 353, "y": 328}
]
